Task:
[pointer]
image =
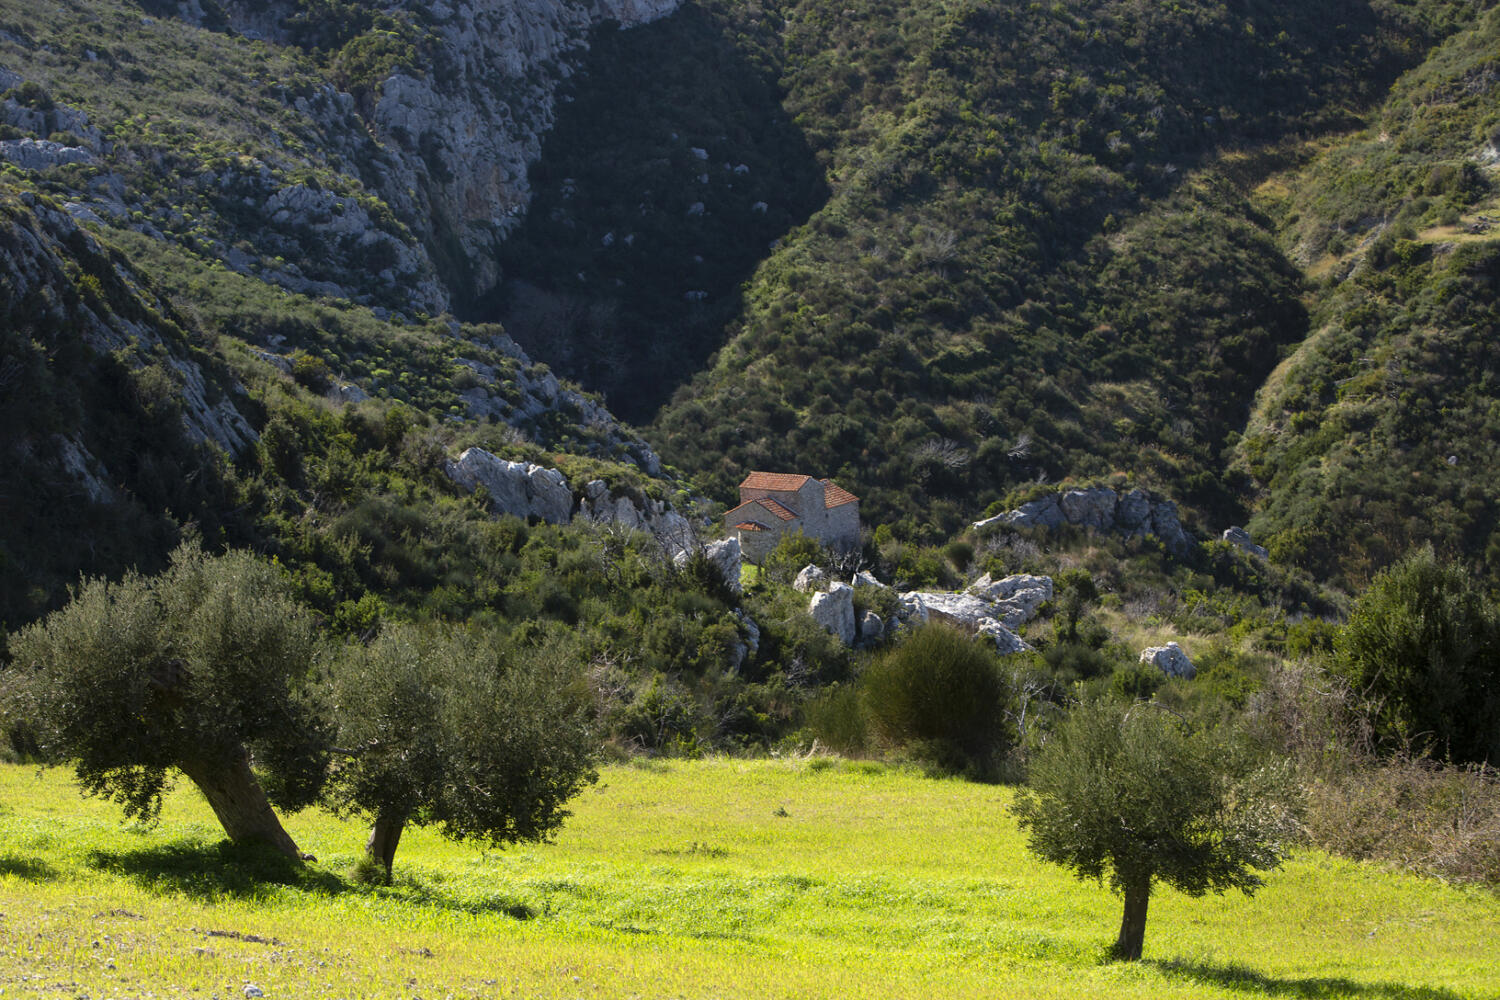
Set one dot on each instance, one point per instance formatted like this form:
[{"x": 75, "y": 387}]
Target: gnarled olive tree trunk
[
  {"x": 384, "y": 836},
  {"x": 239, "y": 801},
  {"x": 1133, "y": 924}
]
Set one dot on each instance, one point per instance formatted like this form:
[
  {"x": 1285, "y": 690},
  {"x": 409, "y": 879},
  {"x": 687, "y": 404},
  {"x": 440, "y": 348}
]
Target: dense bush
[
  {"x": 942, "y": 696},
  {"x": 1423, "y": 646}
]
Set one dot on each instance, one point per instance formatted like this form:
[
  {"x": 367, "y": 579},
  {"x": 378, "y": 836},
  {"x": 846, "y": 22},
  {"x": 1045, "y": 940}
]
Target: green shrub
[{"x": 941, "y": 694}]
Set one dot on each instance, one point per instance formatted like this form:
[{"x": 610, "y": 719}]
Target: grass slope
[{"x": 722, "y": 878}]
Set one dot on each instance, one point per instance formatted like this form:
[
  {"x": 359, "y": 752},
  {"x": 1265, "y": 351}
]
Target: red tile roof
[
  {"x": 778, "y": 481},
  {"x": 785, "y": 513},
  {"x": 751, "y": 526},
  {"x": 835, "y": 495},
  {"x": 767, "y": 505}
]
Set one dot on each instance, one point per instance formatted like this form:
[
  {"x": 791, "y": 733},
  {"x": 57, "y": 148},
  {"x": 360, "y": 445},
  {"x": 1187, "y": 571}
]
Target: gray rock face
[
  {"x": 726, "y": 557},
  {"x": 515, "y": 487},
  {"x": 85, "y": 469},
  {"x": 42, "y": 154},
  {"x": 834, "y": 610},
  {"x": 671, "y": 530},
  {"x": 965, "y": 611},
  {"x": 1133, "y": 513},
  {"x": 1170, "y": 660},
  {"x": 866, "y": 579},
  {"x": 810, "y": 579},
  {"x": 871, "y": 629},
  {"x": 1015, "y": 598},
  {"x": 484, "y": 121},
  {"x": 1240, "y": 538},
  {"x": 1094, "y": 508}
]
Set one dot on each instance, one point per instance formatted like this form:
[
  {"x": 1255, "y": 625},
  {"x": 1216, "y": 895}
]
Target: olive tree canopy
[
  {"x": 200, "y": 669},
  {"x": 440, "y": 726}
]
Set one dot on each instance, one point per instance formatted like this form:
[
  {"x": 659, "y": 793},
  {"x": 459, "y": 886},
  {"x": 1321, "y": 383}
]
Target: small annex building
[{"x": 775, "y": 504}]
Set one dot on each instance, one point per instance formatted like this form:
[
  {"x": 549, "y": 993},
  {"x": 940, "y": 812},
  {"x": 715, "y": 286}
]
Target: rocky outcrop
[
  {"x": 1015, "y": 598},
  {"x": 1240, "y": 539},
  {"x": 726, "y": 557},
  {"x": 41, "y": 249},
  {"x": 1135, "y": 513},
  {"x": 834, "y": 610},
  {"x": 1170, "y": 660},
  {"x": 964, "y": 611},
  {"x": 655, "y": 517},
  {"x": 864, "y": 578},
  {"x": 518, "y": 488}
]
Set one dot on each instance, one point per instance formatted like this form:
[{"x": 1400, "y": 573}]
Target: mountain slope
[
  {"x": 1029, "y": 265},
  {"x": 1380, "y": 433}
]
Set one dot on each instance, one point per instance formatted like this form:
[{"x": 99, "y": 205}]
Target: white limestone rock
[
  {"x": 866, "y": 579},
  {"x": 518, "y": 488},
  {"x": 964, "y": 611},
  {"x": 1240, "y": 538},
  {"x": 726, "y": 556},
  {"x": 871, "y": 628},
  {"x": 1170, "y": 660},
  {"x": 1006, "y": 642},
  {"x": 834, "y": 610},
  {"x": 1015, "y": 598},
  {"x": 810, "y": 579}
]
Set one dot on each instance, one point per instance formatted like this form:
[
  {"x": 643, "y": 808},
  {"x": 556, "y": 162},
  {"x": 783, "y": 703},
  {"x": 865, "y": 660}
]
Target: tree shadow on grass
[
  {"x": 256, "y": 872},
  {"x": 1239, "y": 977},
  {"x": 29, "y": 869},
  {"x": 215, "y": 871}
]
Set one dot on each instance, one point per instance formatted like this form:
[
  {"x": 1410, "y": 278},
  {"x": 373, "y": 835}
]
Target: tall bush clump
[
  {"x": 943, "y": 696},
  {"x": 1423, "y": 647}
]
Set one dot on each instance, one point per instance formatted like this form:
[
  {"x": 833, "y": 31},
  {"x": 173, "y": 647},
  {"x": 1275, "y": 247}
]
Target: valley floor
[{"x": 720, "y": 878}]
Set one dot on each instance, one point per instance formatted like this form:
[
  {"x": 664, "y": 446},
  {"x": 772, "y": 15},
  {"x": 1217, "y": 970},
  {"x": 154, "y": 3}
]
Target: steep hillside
[
  {"x": 1029, "y": 265},
  {"x": 1380, "y": 433}
]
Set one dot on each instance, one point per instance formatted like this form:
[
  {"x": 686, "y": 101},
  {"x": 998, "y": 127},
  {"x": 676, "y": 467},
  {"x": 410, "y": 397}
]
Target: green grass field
[{"x": 713, "y": 879}]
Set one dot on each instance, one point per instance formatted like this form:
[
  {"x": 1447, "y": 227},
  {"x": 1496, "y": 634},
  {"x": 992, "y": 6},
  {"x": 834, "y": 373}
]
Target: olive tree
[
  {"x": 200, "y": 670},
  {"x": 1133, "y": 795},
  {"x": 440, "y": 727}
]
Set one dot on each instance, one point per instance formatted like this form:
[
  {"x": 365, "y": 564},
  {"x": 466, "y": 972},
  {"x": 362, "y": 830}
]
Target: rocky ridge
[
  {"x": 528, "y": 490},
  {"x": 1135, "y": 513}
]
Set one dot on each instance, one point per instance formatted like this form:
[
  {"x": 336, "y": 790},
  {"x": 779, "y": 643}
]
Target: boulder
[
  {"x": 1170, "y": 660},
  {"x": 965, "y": 611},
  {"x": 1016, "y": 598},
  {"x": 810, "y": 580},
  {"x": 867, "y": 579},
  {"x": 550, "y": 498},
  {"x": 725, "y": 555},
  {"x": 1006, "y": 642},
  {"x": 1044, "y": 513},
  {"x": 834, "y": 610},
  {"x": 871, "y": 628},
  {"x": 1166, "y": 527},
  {"x": 1133, "y": 513},
  {"x": 1240, "y": 538}
]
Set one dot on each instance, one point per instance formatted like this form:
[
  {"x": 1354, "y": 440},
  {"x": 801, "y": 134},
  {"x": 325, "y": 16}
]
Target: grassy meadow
[{"x": 713, "y": 879}]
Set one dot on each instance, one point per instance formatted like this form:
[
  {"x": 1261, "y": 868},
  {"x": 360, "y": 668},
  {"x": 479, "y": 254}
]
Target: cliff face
[{"x": 448, "y": 145}]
